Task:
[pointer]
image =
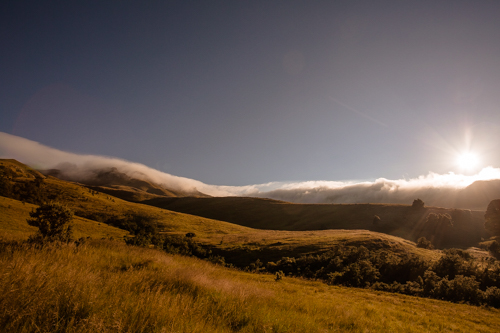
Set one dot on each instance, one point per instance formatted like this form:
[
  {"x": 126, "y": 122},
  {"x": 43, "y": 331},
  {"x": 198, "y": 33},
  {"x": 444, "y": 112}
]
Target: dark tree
[
  {"x": 53, "y": 221},
  {"x": 492, "y": 217},
  {"x": 423, "y": 243},
  {"x": 417, "y": 203},
  {"x": 438, "y": 221}
]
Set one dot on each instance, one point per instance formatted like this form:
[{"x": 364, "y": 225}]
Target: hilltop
[{"x": 111, "y": 181}]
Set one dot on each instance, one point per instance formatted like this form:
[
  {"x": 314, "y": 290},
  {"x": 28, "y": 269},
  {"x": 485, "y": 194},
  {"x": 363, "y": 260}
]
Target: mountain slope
[
  {"x": 110, "y": 180},
  {"x": 95, "y": 207},
  {"x": 399, "y": 220}
]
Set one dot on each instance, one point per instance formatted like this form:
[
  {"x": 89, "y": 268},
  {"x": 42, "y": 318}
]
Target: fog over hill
[{"x": 446, "y": 190}]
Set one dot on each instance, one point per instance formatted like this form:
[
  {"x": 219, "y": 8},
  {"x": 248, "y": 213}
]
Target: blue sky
[{"x": 238, "y": 93}]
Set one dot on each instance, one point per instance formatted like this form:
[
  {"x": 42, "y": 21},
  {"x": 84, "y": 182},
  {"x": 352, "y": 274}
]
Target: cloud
[
  {"x": 80, "y": 167},
  {"x": 435, "y": 189}
]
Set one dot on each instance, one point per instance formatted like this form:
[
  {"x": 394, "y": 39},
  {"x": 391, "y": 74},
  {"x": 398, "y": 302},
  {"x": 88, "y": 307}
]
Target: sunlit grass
[
  {"x": 264, "y": 244},
  {"x": 13, "y": 223},
  {"x": 109, "y": 287}
]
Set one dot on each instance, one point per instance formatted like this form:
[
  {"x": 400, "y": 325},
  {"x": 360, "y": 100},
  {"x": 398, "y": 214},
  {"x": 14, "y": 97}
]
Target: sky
[{"x": 233, "y": 93}]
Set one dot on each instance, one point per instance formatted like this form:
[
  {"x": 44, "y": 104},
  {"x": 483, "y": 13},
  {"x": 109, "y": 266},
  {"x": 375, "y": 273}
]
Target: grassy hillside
[
  {"x": 108, "y": 287},
  {"x": 239, "y": 244},
  {"x": 13, "y": 224},
  {"x": 399, "y": 220},
  {"x": 227, "y": 237},
  {"x": 99, "y": 206},
  {"x": 269, "y": 245}
]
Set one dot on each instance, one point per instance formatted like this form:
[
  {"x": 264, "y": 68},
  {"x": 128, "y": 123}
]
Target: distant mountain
[
  {"x": 111, "y": 181},
  {"x": 478, "y": 194}
]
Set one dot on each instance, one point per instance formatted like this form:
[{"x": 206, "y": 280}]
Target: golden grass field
[{"x": 106, "y": 286}]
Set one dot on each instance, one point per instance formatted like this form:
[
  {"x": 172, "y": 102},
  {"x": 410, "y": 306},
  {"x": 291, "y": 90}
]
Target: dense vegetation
[{"x": 455, "y": 277}]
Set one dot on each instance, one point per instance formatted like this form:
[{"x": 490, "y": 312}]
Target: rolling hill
[
  {"x": 398, "y": 220},
  {"x": 94, "y": 209}
]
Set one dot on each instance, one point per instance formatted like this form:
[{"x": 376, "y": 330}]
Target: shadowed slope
[{"x": 400, "y": 220}]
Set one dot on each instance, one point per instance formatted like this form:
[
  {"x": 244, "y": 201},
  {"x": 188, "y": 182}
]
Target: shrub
[
  {"x": 417, "y": 204},
  {"x": 53, "y": 221},
  {"x": 492, "y": 296},
  {"x": 423, "y": 243},
  {"x": 492, "y": 217},
  {"x": 494, "y": 249}
]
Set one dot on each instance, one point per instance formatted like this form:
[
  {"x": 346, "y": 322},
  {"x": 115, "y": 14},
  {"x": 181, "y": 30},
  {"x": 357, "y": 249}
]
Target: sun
[{"x": 467, "y": 161}]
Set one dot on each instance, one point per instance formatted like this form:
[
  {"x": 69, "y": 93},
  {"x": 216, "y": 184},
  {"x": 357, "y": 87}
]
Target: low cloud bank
[{"x": 433, "y": 188}]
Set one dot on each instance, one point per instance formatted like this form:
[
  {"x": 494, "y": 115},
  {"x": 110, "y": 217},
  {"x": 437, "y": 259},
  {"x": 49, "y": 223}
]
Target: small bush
[
  {"x": 423, "y": 243},
  {"x": 417, "y": 204},
  {"x": 53, "y": 221}
]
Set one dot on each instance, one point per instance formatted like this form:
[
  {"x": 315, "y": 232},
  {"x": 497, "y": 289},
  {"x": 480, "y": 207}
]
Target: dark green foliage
[
  {"x": 438, "y": 221},
  {"x": 438, "y": 228},
  {"x": 494, "y": 249},
  {"x": 492, "y": 217},
  {"x": 34, "y": 192},
  {"x": 279, "y": 276},
  {"x": 24, "y": 189},
  {"x": 256, "y": 266},
  {"x": 53, "y": 221},
  {"x": 135, "y": 223},
  {"x": 6, "y": 187},
  {"x": 454, "y": 277},
  {"x": 183, "y": 245},
  {"x": 423, "y": 243},
  {"x": 455, "y": 262},
  {"x": 492, "y": 296}
]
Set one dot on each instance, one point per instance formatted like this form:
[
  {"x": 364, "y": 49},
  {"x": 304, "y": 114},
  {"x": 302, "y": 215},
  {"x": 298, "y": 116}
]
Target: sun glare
[{"x": 468, "y": 161}]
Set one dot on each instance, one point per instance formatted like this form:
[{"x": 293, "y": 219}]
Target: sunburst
[{"x": 468, "y": 161}]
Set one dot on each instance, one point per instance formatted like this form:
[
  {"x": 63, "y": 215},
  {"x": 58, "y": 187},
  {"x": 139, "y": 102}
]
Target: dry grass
[
  {"x": 108, "y": 287},
  {"x": 266, "y": 245},
  {"x": 13, "y": 223}
]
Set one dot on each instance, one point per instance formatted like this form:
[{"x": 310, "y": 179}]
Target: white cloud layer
[{"x": 439, "y": 189}]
